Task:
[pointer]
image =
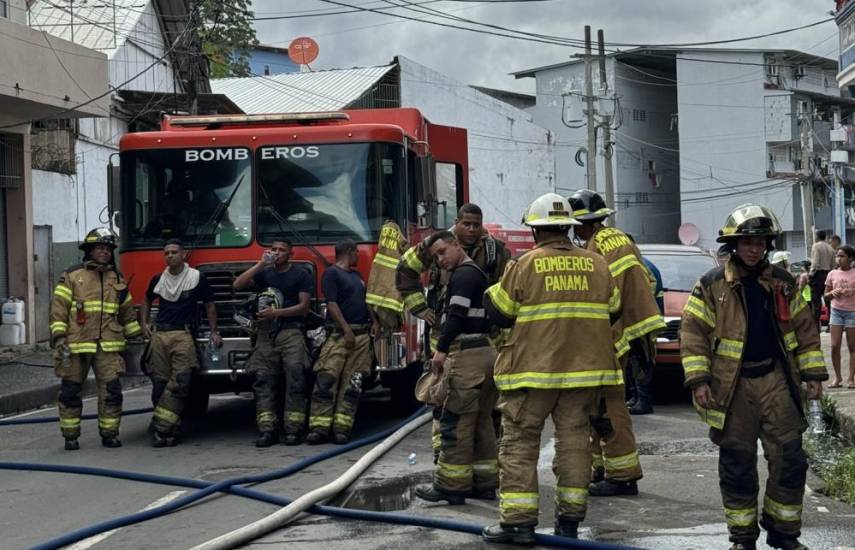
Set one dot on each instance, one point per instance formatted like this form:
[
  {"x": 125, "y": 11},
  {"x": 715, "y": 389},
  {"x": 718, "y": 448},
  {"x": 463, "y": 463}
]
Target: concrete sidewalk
[
  {"x": 27, "y": 380},
  {"x": 843, "y": 397}
]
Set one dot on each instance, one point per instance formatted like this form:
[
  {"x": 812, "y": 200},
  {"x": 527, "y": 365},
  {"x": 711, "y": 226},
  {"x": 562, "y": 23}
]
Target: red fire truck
[{"x": 226, "y": 185}]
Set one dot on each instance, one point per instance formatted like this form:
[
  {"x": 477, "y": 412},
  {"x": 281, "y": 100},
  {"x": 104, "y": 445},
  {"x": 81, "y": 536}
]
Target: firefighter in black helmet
[
  {"x": 616, "y": 468},
  {"x": 748, "y": 342},
  {"x": 91, "y": 315}
]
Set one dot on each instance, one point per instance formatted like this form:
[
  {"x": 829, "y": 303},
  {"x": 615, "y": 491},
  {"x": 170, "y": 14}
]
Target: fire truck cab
[{"x": 227, "y": 185}]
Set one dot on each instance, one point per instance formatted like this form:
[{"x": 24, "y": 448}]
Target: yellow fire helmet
[
  {"x": 548, "y": 210},
  {"x": 749, "y": 220}
]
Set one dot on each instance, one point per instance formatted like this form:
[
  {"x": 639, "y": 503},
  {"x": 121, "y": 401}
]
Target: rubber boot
[
  {"x": 509, "y": 534},
  {"x": 266, "y": 439},
  {"x": 743, "y": 546},
  {"x": 633, "y": 396},
  {"x": 784, "y": 543},
  {"x": 432, "y": 494},
  {"x": 158, "y": 439},
  {"x": 110, "y": 441},
  {"x": 315, "y": 438},
  {"x": 340, "y": 439},
  {"x": 598, "y": 474},
  {"x": 291, "y": 439},
  {"x": 642, "y": 403},
  {"x": 482, "y": 494},
  {"x": 566, "y": 528},
  {"x": 607, "y": 488},
  {"x": 71, "y": 444}
]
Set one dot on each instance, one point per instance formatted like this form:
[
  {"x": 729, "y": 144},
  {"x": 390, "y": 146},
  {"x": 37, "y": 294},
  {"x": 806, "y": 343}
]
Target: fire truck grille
[{"x": 221, "y": 277}]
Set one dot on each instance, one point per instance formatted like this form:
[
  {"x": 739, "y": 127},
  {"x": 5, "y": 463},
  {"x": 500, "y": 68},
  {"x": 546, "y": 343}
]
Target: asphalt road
[{"x": 679, "y": 506}]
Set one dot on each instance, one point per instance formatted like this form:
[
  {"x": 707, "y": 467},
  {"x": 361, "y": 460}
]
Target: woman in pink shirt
[{"x": 840, "y": 289}]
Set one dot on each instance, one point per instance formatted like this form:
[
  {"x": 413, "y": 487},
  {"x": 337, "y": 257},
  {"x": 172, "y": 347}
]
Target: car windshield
[
  {"x": 201, "y": 196},
  {"x": 324, "y": 193},
  {"x": 679, "y": 271}
]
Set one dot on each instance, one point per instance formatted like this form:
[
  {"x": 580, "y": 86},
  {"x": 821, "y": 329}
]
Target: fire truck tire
[{"x": 402, "y": 388}]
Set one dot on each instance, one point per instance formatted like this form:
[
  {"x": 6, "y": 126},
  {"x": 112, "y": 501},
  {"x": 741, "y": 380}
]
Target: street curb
[
  {"x": 41, "y": 397},
  {"x": 845, "y": 417}
]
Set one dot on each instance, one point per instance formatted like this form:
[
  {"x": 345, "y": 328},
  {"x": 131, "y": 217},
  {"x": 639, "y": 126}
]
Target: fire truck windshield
[
  {"x": 327, "y": 192},
  {"x": 202, "y": 196}
]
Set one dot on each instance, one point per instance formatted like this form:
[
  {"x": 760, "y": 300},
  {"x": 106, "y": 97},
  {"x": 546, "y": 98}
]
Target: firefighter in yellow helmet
[
  {"x": 748, "y": 343},
  {"x": 559, "y": 302},
  {"x": 616, "y": 465},
  {"x": 90, "y": 316}
]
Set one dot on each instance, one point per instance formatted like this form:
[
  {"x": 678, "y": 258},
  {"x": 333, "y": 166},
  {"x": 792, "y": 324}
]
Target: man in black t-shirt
[
  {"x": 178, "y": 290},
  {"x": 346, "y": 356},
  {"x": 280, "y": 344}
]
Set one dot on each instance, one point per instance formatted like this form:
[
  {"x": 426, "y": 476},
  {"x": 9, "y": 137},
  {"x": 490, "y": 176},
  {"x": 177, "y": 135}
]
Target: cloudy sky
[{"x": 361, "y": 39}]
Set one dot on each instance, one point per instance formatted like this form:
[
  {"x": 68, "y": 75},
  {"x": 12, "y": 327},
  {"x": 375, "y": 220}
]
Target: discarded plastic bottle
[
  {"x": 411, "y": 459},
  {"x": 212, "y": 352},
  {"x": 815, "y": 418}
]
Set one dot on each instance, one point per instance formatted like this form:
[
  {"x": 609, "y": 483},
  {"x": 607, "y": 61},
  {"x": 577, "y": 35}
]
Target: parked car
[{"x": 681, "y": 266}]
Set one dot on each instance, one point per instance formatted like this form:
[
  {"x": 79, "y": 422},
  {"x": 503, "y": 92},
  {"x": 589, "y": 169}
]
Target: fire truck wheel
[{"x": 402, "y": 386}]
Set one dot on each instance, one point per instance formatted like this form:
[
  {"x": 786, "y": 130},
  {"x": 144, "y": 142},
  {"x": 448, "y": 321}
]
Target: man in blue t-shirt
[
  {"x": 280, "y": 345},
  {"x": 346, "y": 356},
  {"x": 178, "y": 290}
]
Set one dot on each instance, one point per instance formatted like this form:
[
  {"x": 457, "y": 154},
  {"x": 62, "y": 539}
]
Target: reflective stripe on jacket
[
  {"x": 560, "y": 301},
  {"x": 640, "y": 315},
  {"x": 99, "y": 297},
  {"x": 380, "y": 290},
  {"x": 713, "y": 331}
]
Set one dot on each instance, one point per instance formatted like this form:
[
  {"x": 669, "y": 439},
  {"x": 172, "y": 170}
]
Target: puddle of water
[{"x": 382, "y": 496}]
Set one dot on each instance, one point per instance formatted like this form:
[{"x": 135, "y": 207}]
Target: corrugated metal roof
[
  {"x": 101, "y": 25},
  {"x": 300, "y": 92}
]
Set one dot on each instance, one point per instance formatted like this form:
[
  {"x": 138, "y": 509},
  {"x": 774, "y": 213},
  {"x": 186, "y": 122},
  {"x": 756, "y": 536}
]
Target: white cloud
[{"x": 361, "y": 39}]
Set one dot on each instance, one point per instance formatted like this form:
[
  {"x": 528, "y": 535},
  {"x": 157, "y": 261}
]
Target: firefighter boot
[
  {"x": 316, "y": 438},
  {"x": 642, "y": 404},
  {"x": 110, "y": 441},
  {"x": 71, "y": 444},
  {"x": 158, "y": 439},
  {"x": 291, "y": 439},
  {"x": 432, "y": 494},
  {"x": 482, "y": 494},
  {"x": 266, "y": 439},
  {"x": 784, "y": 543},
  {"x": 743, "y": 546},
  {"x": 598, "y": 474},
  {"x": 633, "y": 396},
  {"x": 509, "y": 534},
  {"x": 566, "y": 528},
  {"x": 608, "y": 488}
]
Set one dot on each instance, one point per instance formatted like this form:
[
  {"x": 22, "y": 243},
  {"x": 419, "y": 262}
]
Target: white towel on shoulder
[{"x": 170, "y": 286}]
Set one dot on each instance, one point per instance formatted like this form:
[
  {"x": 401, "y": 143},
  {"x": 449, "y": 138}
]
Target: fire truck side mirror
[{"x": 114, "y": 187}]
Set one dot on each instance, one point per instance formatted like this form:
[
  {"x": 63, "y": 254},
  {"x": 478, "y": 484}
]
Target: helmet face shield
[{"x": 99, "y": 235}]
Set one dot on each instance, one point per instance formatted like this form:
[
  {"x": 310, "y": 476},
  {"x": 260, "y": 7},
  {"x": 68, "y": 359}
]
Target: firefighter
[
  {"x": 381, "y": 295},
  {"x": 488, "y": 253},
  {"x": 91, "y": 315},
  {"x": 616, "y": 467},
  {"x": 280, "y": 345},
  {"x": 346, "y": 355},
  {"x": 748, "y": 342},
  {"x": 172, "y": 345},
  {"x": 467, "y": 464},
  {"x": 559, "y": 302}
]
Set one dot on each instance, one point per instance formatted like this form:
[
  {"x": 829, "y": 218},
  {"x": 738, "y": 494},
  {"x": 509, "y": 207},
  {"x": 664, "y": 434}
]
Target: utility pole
[
  {"x": 590, "y": 112},
  {"x": 196, "y": 48},
  {"x": 838, "y": 159},
  {"x": 606, "y": 122},
  {"x": 805, "y": 121}
]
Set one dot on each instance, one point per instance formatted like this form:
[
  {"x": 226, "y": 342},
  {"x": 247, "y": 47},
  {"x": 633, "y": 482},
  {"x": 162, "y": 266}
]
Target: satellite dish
[
  {"x": 303, "y": 50},
  {"x": 689, "y": 234}
]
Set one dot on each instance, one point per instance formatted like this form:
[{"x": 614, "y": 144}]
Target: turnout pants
[
  {"x": 283, "y": 355},
  {"x": 338, "y": 384},
  {"x": 612, "y": 440},
  {"x": 108, "y": 367},
  {"x": 173, "y": 358},
  {"x": 467, "y": 439},
  {"x": 762, "y": 408},
  {"x": 523, "y": 415}
]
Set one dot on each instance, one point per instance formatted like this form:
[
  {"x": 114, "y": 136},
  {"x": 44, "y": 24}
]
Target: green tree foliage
[{"x": 227, "y": 35}]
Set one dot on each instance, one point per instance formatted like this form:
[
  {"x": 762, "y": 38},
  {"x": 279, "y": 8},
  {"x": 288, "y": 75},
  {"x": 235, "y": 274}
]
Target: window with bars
[
  {"x": 11, "y": 161},
  {"x": 53, "y": 145},
  {"x": 639, "y": 115}
]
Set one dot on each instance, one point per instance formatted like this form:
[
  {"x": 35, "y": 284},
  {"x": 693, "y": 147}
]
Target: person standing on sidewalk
[
  {"x": 748, "y": 344},
  {"x": 559, "y": 302},
  {"x": 90, "y": 316},
  {"x": 346, "y": 355},
  {"x": 840, "y": 293},
  {"x": 467, "y": 465},
  {"x": 172, "y": 344},
  {"x": 280, "y": 344},
  {"x": 821, "y": 263}
]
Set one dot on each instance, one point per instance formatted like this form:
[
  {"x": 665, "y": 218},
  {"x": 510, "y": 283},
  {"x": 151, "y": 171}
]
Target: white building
[{"x": 511, "y": 159}]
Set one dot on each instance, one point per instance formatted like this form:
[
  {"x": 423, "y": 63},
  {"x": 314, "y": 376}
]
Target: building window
[
  {"x": 4, "y": 9},
  {"x": 639, "y": 115},
  {"x": 267, "y": 70},
  {"x": 11, "y": 161},
  {"x": 53, "y": 145}
]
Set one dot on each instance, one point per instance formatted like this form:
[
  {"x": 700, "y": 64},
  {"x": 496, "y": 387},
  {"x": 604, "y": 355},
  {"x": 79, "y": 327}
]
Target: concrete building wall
[
  {"x": 143, "y": 47},
  {"x": 510, "y": 157},
  {"x": 723, "y": 154},
  {"x": 16, "y": 11},
  {"x": 646, "y": 158}
]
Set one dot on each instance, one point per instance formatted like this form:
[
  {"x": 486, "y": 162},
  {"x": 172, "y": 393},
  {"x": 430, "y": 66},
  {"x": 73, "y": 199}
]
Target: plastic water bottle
[
  {"x": 815, "y": 418},
  {"x": 411, "y": 459},
  {"x": 213, "y": 353}
]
